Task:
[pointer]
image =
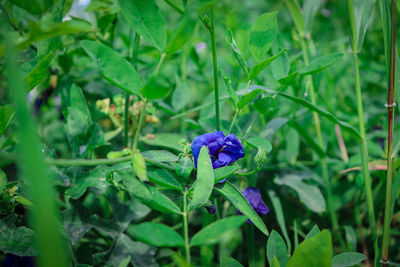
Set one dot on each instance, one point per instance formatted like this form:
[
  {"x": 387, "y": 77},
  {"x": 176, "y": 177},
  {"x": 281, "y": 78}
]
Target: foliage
[{"x": 196, "y": 133}]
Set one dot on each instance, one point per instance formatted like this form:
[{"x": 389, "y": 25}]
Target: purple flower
[
  {"x": 16, "y": 261},
  {"x": 211, "y": 209},
  {"x": 254, "y": 197},
  {"x": 223, "y": 150}
]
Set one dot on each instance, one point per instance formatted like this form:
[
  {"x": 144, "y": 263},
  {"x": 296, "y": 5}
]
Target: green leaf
[
  {"x": 156, "y": 234},
  {"x": 258, "y": 141},
  {"x": 212, "y": 233},
  {"x": 320, "y": 111},
  {"x": 166, "y": 140},
  {"x": 6, "y": 115},
  {"x": 320, "y": 63},
  {"x": 36, "y": 75},
  {"x": 309, "y": 140},
  {"x": 125, "y": 262},
  {"x": 276, "y": 203},
  {"x": 233, "y": 195},
  {"x": 347, "y": 259},
  {"x": 310, "y": 195},
  {"x": 156, "y": 87},
  {"x": 256, "y": 69},
  {"x": 363, "y": 14},
  {"x": 160, "y": 202},
  {"x": 95, "y": 178},
  {"x": 160, "y": 155},
  {"x": 184, "y": 167},
  {"x": 313, "y": 232},
  {"x": 247, "y": 98},
  {"x": 123, "y": 247},
  {"x": 146, "y": 19},
  {"x": 276, "y": 247},
  {"x": 48, "y": 29},
  {"x": 3, "y": 180},
  {"x": 316, "y": 251},
  {"x": 310, "y": 8},
  {"x": 164, "y": 178},
  {"x": 289, "y": 79},
  {"x": 181, "y": 35},
  {"x": 232, "y": 94},
  {"x": 395, "y": 190},
  {"x": 262, "y": 33},
  {"x": 77, "y": 99},
  {"x": 231, "y": 262},
  {"x": 77, "y": 123},
  {"x": 135, "y": 188},
  {"x": 181, "y": 95},
  {"x": 32, "y": 6},
  {"x": 23, "y": 201},
  {"x": 275, "y": 262},
  {"x": 204, "y": 180},
  {"x": 236, "y": 52},
  {"x": 295, "y": 12},
  {"x": 224, "y": 172},
  {"x": 19, "y": 241},
  {"x": 113, "y": 67}
]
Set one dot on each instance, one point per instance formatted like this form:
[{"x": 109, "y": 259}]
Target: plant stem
[
  {"x": 215, "y": 67},
  {"x": 35, "y": 175},
  {"x": 178, "y": 9},
  {"x": 390, "y": 106},
  {"x": 140, "y": 124},
  {"x": 126, "y": 120},
  {"x": 324, "y": 165},
  {"x": 233, "y": 120},
  {"x": 133, "y": 55},
  {"x": 364, "y": 148},
  {"x": 162, "y": 57},
  {"x": 186, "y": 227},
  {"x": 251, "y": 246},
  {"x": 96, "y": 162}
]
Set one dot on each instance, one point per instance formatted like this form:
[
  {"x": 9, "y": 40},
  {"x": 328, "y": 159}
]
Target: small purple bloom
[
  {"x": 223, "y": 150},
  {"x": 211, "y": 209},
  {"x": 254, "y": 197}
]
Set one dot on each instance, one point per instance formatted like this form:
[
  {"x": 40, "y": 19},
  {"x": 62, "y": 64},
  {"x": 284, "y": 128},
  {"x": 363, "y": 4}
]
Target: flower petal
[{"x": 205, "y": 140}]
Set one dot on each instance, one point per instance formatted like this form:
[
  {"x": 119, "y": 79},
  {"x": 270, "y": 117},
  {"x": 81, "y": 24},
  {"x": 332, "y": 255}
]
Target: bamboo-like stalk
[
  {"x": 390, "y": 106},
  {"x": 364, "y": 148}
]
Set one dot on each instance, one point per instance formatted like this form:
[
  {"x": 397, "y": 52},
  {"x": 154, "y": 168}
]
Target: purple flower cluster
[{"x": 223, "y": 150}]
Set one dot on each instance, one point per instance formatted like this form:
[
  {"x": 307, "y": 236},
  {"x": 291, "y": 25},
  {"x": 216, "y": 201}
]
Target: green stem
[
  {"x": 126, "y": 120},
  {"x": 324, "y": 165},
  {"x": 178, "y": 9},
  {"x": 134, "y": 50},
  {"x": 35, "y": 175},
  {"x": 140, "y": 124},
  {"x": 233, "y": 120},
  {"x": 389, "y": 176},
  {"x": 186, "y": 227},
  {"x": 160, "y": 62},
  {"x": 246, "y": 173},
  {"x": 251, "y": 245},
  {"x": 215, "y": 67},
  {"x": 364, "y": 149},
  {"x": 96, "y": 162}
]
